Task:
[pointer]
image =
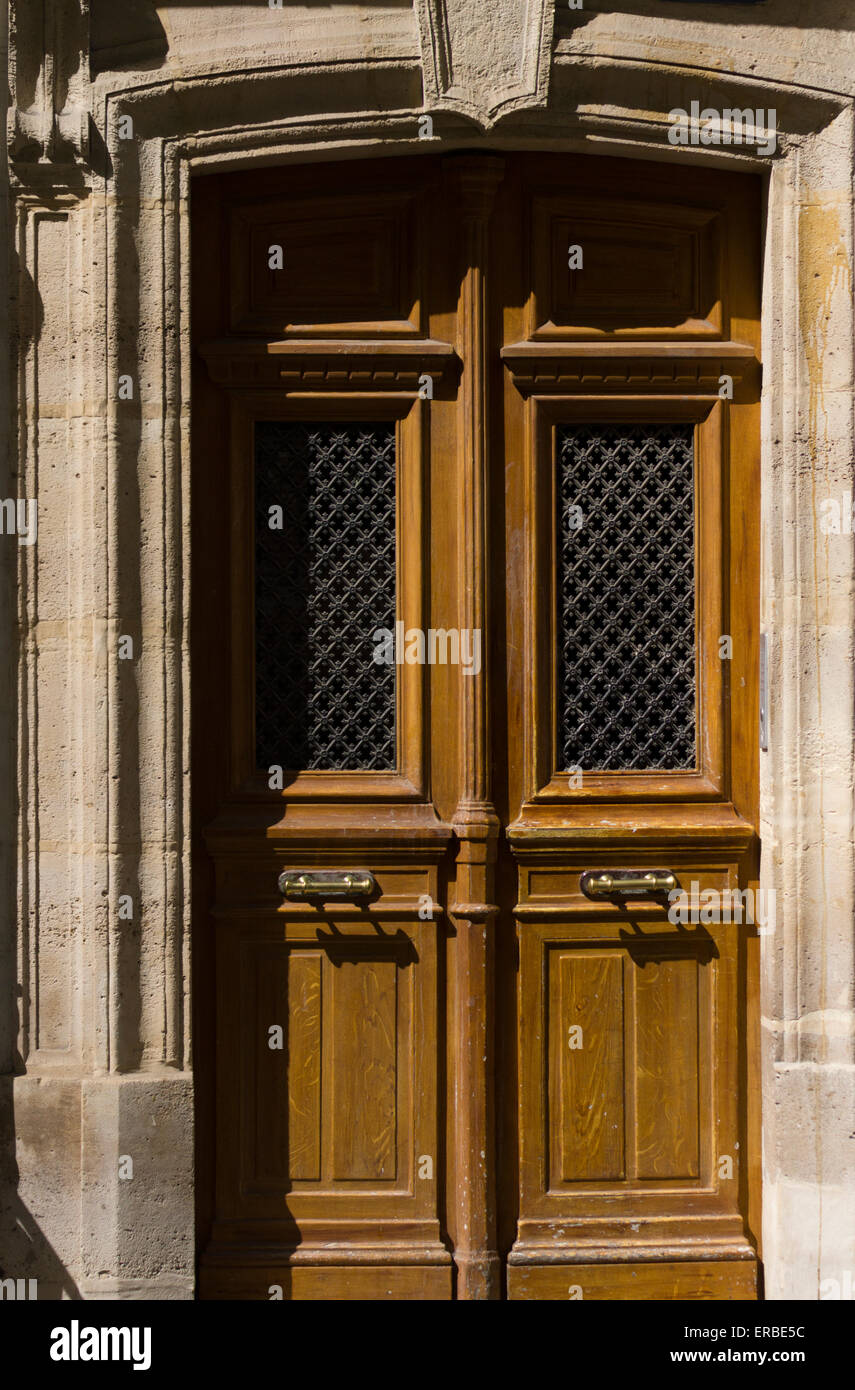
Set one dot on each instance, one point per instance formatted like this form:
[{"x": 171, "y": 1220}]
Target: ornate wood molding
[
  {"x": 539, "y": 368},
  {"x": 338, "y": 364},
  {"x": 539, "y": 833},
  {"x": 475, "y": 181}
]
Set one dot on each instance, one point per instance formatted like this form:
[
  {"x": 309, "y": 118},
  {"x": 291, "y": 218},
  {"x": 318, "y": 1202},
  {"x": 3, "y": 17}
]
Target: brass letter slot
[
  {"x": 610, "y": 883},
  {"x": 317, "y": 885}
]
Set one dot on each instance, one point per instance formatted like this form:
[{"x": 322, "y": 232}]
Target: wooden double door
[{"x": 475, "y": 729}]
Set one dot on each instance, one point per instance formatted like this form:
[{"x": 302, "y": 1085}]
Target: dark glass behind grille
[
  {"x": 626, "y": 598},
  {"x": 322, "y": 585}
]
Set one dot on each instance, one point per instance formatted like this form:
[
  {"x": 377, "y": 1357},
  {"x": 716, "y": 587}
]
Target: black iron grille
[
  {"x": 626, "y": 598},
  {"x": 323, "y": 583}
]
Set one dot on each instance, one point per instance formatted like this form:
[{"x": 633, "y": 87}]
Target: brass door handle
[
  {"x": 317, "y": 885},
  {"x": 608, "y": 883}
]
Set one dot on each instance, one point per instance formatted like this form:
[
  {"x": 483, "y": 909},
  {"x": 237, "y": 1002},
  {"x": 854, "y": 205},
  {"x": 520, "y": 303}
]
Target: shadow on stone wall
[
  {"x": 25, "y": 1251},
  {"x": 835, "y": 15},
  {"x": 129, "y": 34}
]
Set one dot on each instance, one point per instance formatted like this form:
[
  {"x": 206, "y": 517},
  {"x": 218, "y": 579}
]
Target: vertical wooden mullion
[{"x": 475, "y": 821}]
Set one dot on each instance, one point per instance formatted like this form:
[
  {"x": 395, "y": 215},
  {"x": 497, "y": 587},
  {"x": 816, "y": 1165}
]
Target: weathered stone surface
[
  {"x": 137, "y": 1185},
  {"x": 485, "y": 61}
]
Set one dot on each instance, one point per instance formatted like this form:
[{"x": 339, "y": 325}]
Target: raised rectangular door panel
[
  {"x": 330, "y": 1283},
  {"x": 346, "y": 1025},
  {"x": 326, "y": 265},
  {"x": 303, "y": 999},
  {"x": 338, "y": 1105},
  {"x": 586, "y": 1072},
  {"x": 631, "y": 1050},
  {"x": 329, "y": 1058},
  {"x": 671, "y": 1007},
  {"x": 659, "y": 1281},
  {"x": 647, "y": 268},
  {"x": 367, "y": 1042}
]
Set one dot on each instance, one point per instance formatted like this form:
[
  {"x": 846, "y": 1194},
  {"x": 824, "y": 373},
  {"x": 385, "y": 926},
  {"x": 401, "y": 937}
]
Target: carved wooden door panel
[
  {"x": 470, "y": 527},
  {"x": 314, "y": 331},
  {"x": 630, "y": 575}
]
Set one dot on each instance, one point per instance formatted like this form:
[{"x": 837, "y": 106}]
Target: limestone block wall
[{"x": 95, "y": 1023}]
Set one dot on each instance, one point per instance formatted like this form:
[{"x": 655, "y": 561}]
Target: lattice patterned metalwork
[
  {"x": 323, "y": 583},
  {"x": 626, "y": 598}
]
